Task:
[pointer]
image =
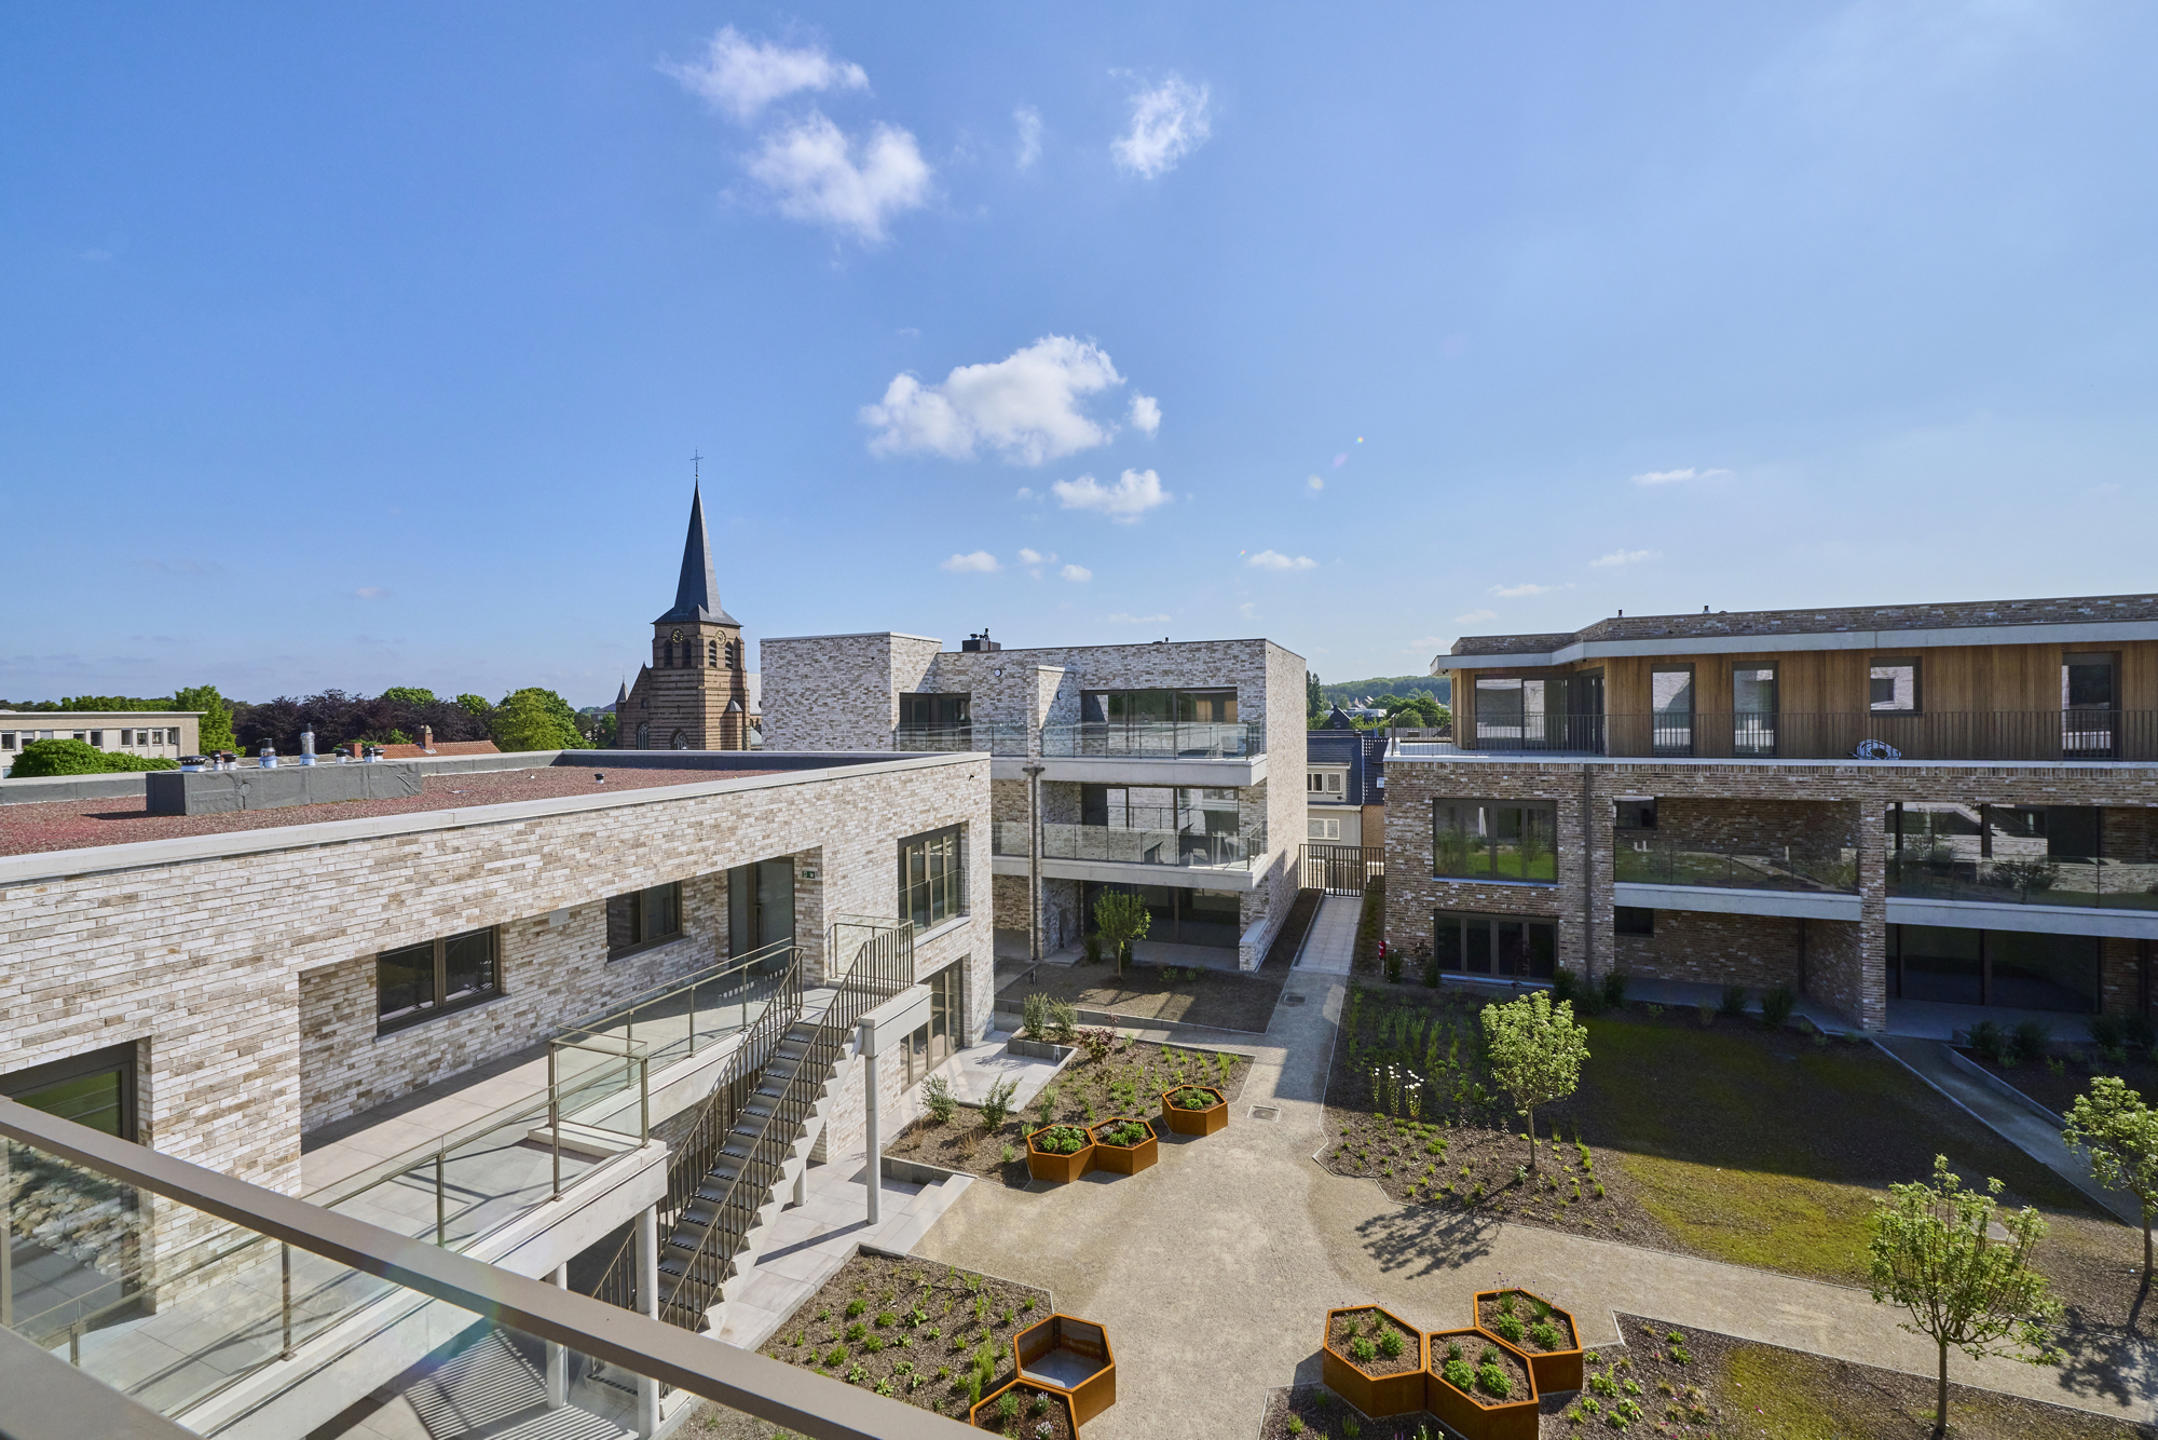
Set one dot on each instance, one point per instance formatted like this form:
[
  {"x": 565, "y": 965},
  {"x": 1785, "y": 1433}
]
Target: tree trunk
[
  {"x": 1940, "y": 1396},
  {"x": 1530, "y": 1111},
  {"x": 2146, "y": 1247}
]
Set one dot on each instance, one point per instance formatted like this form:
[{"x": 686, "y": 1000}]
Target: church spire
[{"x": 696, "y": 594}]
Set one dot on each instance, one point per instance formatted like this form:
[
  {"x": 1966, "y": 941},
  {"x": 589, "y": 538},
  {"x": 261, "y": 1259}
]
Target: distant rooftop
[{"x": 1621, "y": 632}]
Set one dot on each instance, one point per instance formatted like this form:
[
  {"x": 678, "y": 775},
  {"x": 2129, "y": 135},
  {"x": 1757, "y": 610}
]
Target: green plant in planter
[
  {"x": 1545, "y": 1334},
  {"x": 938, "y": 1100},
  {"x": 1194, "y": 1099},
  {"x": 1459, "y": 1375},
  {"x": 1008, "y": 1405},
  {"x": 1128, "y": 1133},
  {"x": 1494, "y": 1381},
  {"x": 1060, "y": 1140},
  {"x": 1509, "y": 1327},
  {"x": 1362, "y": 1350},
  {"x": 1506, "y": 1303},
  {"x": 1391, "y": 1344}
]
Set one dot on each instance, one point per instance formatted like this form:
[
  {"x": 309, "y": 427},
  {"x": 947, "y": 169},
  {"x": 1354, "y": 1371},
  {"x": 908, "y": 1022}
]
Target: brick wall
[
  {"x": 1810, "y": 824},
  {"x": 1761, "y": 951}
]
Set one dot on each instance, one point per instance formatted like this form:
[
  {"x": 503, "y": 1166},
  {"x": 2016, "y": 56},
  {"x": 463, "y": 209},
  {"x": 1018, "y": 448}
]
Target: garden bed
[
  {"x": 932, "y": 1328},
  {"x": 2066, "y": 1072},
  {"x": 1538, "y": 1329},
  {"x": 1374, "y": 1361},
  {"x": 1185, "y": 995},
  {"x": 1126, "y": 1079},
  {"x": 1725, "y": 1140},
  {"x": 1027, "y": 1412}
]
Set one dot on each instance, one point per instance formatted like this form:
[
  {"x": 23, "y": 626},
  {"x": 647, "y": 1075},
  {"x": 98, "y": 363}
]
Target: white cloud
[
  {"x": 1029, "y": 121},
  {"x": 1248, "y": 610},
  {"x": 1077, "y": 574},
  {"x": 1517, "y": 592},
  {"x": 1627, "y": 557},
  {"x": 816, "y": 173},
  {"x": 1275, "y": 560},
  {"x": 1316, "y": 482},
  {"x": 1026, "y": 407},
  {"x": 1025, "y": 492},
  {"x": 1168, "y": 122},
  {"x": 1134, "y": 493},
  {"x": 371, "y": 592},
  {"x": 1120, "y": 618},
  {"x": 1678, "y": 477},
  {"x": 974, "y": 562},
  {"x": 1472, "y": 618},
  {"x": 1146, "y": 413},
  {"x": 741, "y": 76}
]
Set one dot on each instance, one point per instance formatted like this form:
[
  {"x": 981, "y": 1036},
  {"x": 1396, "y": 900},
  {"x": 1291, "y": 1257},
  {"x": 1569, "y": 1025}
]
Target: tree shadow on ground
[
  {"x": 1428, "y": 1239},
  {"x": 2106, "y": 1360}
]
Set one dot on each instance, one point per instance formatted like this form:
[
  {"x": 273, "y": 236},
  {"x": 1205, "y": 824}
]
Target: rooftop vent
[{"x": 980, "y": 642}]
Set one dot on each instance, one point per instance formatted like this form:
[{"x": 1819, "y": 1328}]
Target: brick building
[
  {"x": 694, "y": 693},
  {"x": 1914, "y": 815}
]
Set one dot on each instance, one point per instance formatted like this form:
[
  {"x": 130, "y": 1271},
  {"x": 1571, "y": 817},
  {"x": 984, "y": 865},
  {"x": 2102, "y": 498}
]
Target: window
[
  {"x": 644, "y": 918},
  {"x": 1324, "y": 782},
  {"x": 1325, "y": 829},
  {"x": 1495, "y": 840},
  {"x": 97, "y": 738},
  {"x": 1633, "y": 920},
  {"x": 936, "y": 712},
  {"x": 932, "y": 878},
  {"x": 1192, "y": 707},
  {"x": 932, "y": 1044},
  {"x": 1508, "y": 709},
  {"x": 418, "y": 982},
  {"x": 1635, "y": 814},
  {"x": 7, "y": 739},
  {"x": 1506, "y": 946},
  {"x": 1893, "y": 686},
  {"x": 1670, "y": 690},
  {"x": 1753, "y": 709}
]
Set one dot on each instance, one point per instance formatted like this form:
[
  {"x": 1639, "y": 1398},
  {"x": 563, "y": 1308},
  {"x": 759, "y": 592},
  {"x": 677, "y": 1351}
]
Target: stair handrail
[
  {"x": 882, "y": 966},
  {"x": 693, "y": 1155}
]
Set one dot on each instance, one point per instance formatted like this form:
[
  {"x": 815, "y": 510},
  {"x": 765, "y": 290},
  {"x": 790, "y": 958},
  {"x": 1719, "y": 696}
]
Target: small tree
[
  {"x": 1933, "y": 1253},
  {"x": 1121, "y": 917},
  {"x": 215, "y": 727},
  {"x": 2112, "y": 1125},
  {"x": 1535, "y": 1050},
  {"x": 535, "y": 719}
]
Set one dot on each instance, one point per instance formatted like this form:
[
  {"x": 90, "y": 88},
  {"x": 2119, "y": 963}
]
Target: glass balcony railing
[
  {"x": 998, "y": 737},
  {"x": 2047, "y": 880},
  {"x": 1154, "y": 739},
  {"x": 1640, "y": 859},
  {"x": 2071, "y": 734},
  {"x": 1233, "y": 850}
]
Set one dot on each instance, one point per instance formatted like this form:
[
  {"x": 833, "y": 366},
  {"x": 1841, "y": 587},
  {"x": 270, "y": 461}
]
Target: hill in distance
[{"x": 1440, "y": 688}]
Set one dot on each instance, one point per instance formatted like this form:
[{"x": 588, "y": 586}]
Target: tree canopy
[
  {"x": 216, "y": 724},
  {"x": 535, "y": 719},
  {"x": 1121, "y": 917},
  {"x": 2113, "y": 1126},
  {"x": 77, "y": 757},
  {"x": 1535, "y": 1050},
  {"x": 338, "y": 719}
]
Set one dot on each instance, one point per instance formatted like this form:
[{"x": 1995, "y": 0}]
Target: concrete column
[
  {"x": 801, "y": 1184},
  {"x": 875, "y": 1141},
  {"x": 558, "y": 1355},
  {"x": 648, "y": 1291},
  {"x": 1871, "y": 1008}
]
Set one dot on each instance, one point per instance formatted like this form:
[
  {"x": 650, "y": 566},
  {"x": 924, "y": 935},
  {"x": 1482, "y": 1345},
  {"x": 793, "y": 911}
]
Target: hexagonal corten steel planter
[
  {"x": 1071, "y": 1356},
  {"x": 1397, "y": 1393},
  {"x": 1555, "y": 1370},
  {"x": 1124, "y": 1159},
  {"x": 1195, "y": 1122},
  {"x": 1475, "y": 1414},
  {"x": 1049, "y": 1165},
  {"x": 984, "y": 1416}
]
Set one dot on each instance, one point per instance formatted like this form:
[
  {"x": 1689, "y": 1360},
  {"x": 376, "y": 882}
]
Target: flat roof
[{"x": 62, "y": 719}]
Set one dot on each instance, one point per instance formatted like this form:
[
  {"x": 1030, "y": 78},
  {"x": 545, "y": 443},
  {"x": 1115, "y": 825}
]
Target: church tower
[{"x": 694, "y": 693}]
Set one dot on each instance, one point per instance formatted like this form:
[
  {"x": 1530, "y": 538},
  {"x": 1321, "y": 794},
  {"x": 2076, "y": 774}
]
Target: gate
[{"x": 1342, "y": 869}]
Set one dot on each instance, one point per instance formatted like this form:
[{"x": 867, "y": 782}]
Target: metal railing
[
  {"x": 1642, "y": 858},
  {"x": 1342, "y": 869},
  {"x": 695, "y": 1012},
  {"x": 2072, "y": 881},
  {"x": 1234, "y": 850},
  {"x": 2071, "y": 734},
  {"x": 586, "y": 1331},
  {"x": 1155, "y": 739},
  {"x": 880, "y": 965},
  {"x": 998, "y": 737}
]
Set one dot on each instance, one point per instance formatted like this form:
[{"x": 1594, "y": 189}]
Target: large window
[
  {"x": 419, "y": 982},
  {"x": 932, "y": 1044},
  {"x": 936, "y": 712},
  {"x": 644, "y": 918},
  {"x": 1189, "y": 707},
  {"x": 1753, "y": 709},
  {"x": 932, "y": 878},
  {"x": 1994, "y": 967},
  {"x": 1495, "y": 840},
  {"x": 1505, "y": 946},
  {"x": 1892, "y": 685}
]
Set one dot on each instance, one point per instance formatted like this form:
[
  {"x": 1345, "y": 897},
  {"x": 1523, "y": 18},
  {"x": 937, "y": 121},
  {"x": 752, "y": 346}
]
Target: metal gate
[{"x": 1342, "y": 869}]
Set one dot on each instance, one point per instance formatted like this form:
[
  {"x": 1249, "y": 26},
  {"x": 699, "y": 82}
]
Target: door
[
  {"x": 81, "y": 1263},
  {"x": 2090, "y": 706},
  {"x": 760, "y": 905}
]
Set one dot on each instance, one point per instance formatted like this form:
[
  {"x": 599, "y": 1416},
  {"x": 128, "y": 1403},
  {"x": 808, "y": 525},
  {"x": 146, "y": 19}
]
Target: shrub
[
  {"x": 1296, "y": 1424},
  {"x": 1989, "y": 1040},
  {"x": 1706, "y": 1014},
  {"x": 1192, "y": 1098},
  {"x": 1063, "y": 1021},
  {"x": 1008, "y": 1405},
  {"x": 76, "y": 757},
  {"x": 1545, "y": 1334},
  {"x": 1391, "y": 955},
  {"x": 1361, "y": 1349},
  {"x": 1127, "y": 1133},
  {"x": 1615, "y": 988},
  {"x": 1060, "y": 1140},
  {"x": 1776, "y": 1006},
  {"x": 855, "y": 1307},
  {"x": 1734, "y": 1001},
  {"x": 2109, "y": 1032},
  {"x": 938, "y": 1100},
  {"x": 1098, "y": 1043},
  {"x": 1092, "y": 945},
  {"x": 1391, "y": 1344},
  {"x": 997, "y": 1104},
  {"x": 1459, "y": 1375},
  {"x": 1011, "y": 1155},
  {"x": 1564, "y": 987},
  {"x": 1509, "y": 1327},
  {"x": 1493, "y": 1381},
  {"x": 2030, "y": 1040},
  {"x": 1034, "y": 1015}
]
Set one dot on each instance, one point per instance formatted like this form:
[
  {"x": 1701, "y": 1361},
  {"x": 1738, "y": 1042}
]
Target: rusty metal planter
[
  {"x": 1072, "y": 1357},
  {"x": 1477, "y": 1417},
  {"x": 1195, "y": 1122},
  {"x": 1555, "y": 1370},
  {"x": 1124, "y": 1159},
  {"x": 1061, "y": 1169},
  {"x": 1375, "y": 1395},
  {"x": 984, "y": 1415}
]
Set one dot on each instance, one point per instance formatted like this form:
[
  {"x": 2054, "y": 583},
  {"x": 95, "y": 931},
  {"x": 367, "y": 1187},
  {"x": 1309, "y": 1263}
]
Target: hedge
[{"x": 74, "y": 757}]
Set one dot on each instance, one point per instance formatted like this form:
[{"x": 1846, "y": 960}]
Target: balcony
[
  {"x": 2068, "y": 735},
  {"x": 1154, "y": 740},
  {"x": 998, "y": 737},
  {"x": 1658, "y": 873},
  {"x": 2085, "y": 884},
  {"x": 1229, "y": 860}
]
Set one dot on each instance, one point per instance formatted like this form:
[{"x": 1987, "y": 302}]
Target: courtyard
[{"x": 1738, "y": 1169}]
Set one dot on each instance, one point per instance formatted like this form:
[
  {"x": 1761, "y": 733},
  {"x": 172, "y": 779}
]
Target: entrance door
[{"x": 760, "y": 905}]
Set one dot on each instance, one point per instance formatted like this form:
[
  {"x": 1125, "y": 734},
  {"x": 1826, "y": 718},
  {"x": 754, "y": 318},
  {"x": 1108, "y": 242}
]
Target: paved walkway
[
  {"x": 1331, "y": 945},
  {"x": 2021, "y": 1121},
  {"x": 1223, "y": 1258}
]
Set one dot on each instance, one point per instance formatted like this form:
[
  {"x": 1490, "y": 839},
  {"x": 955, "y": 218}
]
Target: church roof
[{"x": 696, "y": 594}]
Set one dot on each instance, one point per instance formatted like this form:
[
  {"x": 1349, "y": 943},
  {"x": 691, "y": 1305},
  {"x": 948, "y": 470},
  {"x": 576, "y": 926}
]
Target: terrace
[{"x": 2072, "y": 735}]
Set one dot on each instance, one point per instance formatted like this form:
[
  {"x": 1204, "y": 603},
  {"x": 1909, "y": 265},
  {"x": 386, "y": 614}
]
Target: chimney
[
  {"x": 980, "y": 643},
  {"x": 427, "y": 739}
]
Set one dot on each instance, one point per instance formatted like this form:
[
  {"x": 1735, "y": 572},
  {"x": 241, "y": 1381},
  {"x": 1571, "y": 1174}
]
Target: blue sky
[{"x": 363, "y": 347}]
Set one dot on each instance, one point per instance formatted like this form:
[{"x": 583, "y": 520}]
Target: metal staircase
[{"x": 733, "y": 1172}]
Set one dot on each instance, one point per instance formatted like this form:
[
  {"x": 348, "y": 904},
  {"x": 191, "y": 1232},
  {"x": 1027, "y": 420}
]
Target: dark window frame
[
  {"x": 1918, "y": 684},
  {"x": 1656, "y": 719},
  {"x": 437, "y": 1007},
  {"x": 1484, "y": 843},
  {"x": 1627, "y": 920},
  {"x": 641, "y": 940},
  {"x": 948, "y": 887},
  {"x": 1464, "y": 922},
  {"x": 125, "y": 1057}
]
